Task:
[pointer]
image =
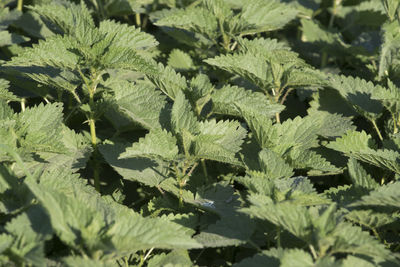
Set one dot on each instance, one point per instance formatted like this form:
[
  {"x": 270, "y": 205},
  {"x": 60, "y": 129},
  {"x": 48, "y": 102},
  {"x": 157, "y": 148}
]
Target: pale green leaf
[
  {"x": 231, "y": 100},
  {"x": 146, "y": 171},
  {"x": 180, "y": 60},
  {"x": 358, "y": 93},
  {"x": 359, "y": 175},
  {"x": 157, "y": 143},
  {"x": 361, "y": 146}
]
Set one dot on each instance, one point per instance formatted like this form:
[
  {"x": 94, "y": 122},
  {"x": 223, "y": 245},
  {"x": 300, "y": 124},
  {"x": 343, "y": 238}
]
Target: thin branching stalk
[{"x": 377, "y": 130}]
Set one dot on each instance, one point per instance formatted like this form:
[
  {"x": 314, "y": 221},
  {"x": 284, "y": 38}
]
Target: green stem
[
  {"x": 195, "y": 3},
  {"x": 144, "y": 22},
  {"x": 376, "y": 234},
  {"x": 23, "y": 102},
  {"x": 395, "y": 130},
  {"x": 225, "y": 37},
  {"x": 314, "y": 254},
  {"x": 377, "y": 130},
  {"x": 324, "y": 59},
  {"x": 204, "y": 167},
  {"x": 180, "y": 194},
  {"x": 277, "y": 117},
  {"x": 336, "y": 3},
  {"x": 92, "y": 125},
  {"x": 278, "y": 237},
  {"x": 138, "y": 20},
  {"x": 20, "y": 5}
]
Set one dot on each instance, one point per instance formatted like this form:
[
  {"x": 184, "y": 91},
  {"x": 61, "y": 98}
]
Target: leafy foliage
[{"x": 199, "y": 133}]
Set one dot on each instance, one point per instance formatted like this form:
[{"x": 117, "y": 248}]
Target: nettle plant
[{"x": 200, "y": 133}]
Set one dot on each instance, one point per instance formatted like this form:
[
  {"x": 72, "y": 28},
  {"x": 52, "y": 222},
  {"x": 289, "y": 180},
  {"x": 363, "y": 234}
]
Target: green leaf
[
  {"x": 267, "y": 15},
  {"x": 146, "y": 171},
  {"x": 351, "y": 239},
  {"x": 370, "y": 218},
  {"x": 168, "y": 81},
  {"x": 180, "y": 60},
  {"x": 140, "y": 102},
  {"x": 358, "y": 93},
  {"x": 195, "y": 19},
  {"x": 39, "y": 128},
  {"x": 233, "y": 228},
  {"x": 72, "y": 261},
  {"x": 182, "y": 116},
  {"x": 175, "y": 258},
  {"x": 273, "y": 165},
  {"x": 5, "y": 94},
  {"x": 389, "y": 48},
  {"x": 359, "y": 176},
  {"x": 219, "y": 141},
  {"x": 253, "y": 68},
  {"x": 232, "y": 100},
  {"x": 30, "y": 230},
  {"x": 157, "y": 143},
  {"x": 85, "y": 221},
  {"x": 69, "y": 17},
  {"x": 127, "y": 36},
  {"x": 7, "y": 38},
  {"x": 385, "y": 196},
  {"x": 361, "y": 146}
]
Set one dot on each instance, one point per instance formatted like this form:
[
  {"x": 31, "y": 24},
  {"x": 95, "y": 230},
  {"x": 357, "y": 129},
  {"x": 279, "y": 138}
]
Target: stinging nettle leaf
[{"x": 157, "y": 143}]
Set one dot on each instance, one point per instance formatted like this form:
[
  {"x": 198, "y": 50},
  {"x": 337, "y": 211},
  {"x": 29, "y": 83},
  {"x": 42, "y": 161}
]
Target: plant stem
[
  {"x": 314, "y": 254},
  {"x": 277, "y": 117},
  {"x": 148, "y": 254},
  {"x": 336, "y": 3},
  {"x": 92, "y": 86},
  {"x": 395, "y": 130},
  {"x": 204, "y": 167},
  {"x": 75, "y": 95},
  {"x": 278, "y": 236},
  {"x": 138, "y": 20},
  {"x": 377, "y": 130},
  {"x": 225, "y": 37},
  {"x": 20, "y": 5},
  {"x": 23, "y": 102},
  {"x": 92, "y": 125},
  {"x": 195, "y": 3}
]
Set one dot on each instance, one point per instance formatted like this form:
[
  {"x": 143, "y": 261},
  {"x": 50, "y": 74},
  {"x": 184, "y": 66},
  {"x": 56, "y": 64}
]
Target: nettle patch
[{"x": 200, "y": 133}]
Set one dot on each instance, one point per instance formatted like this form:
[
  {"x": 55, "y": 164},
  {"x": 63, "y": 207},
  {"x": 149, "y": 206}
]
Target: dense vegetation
[{"x": 200, "y": 133}]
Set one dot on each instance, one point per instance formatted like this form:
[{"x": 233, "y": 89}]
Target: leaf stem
[
  {"x": 20, "y": 4},
  {"x": 278, "y": 236},
  {"x": 377, "y": 130},
  {"x": 395, "y": 130},
  {"x": 277, "y": 117},
  {"x": 148, "y": 254},
  {"x": 23, "y": 102},
  {"x": 314, "y": 254},
  {"x": 195, "y": 3},
  {"x": 204, "y": 167},
  {"x": 336, "y": 3},
  {"x": 138, "y": 20},
  {"x": 225, "y": 37}
]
